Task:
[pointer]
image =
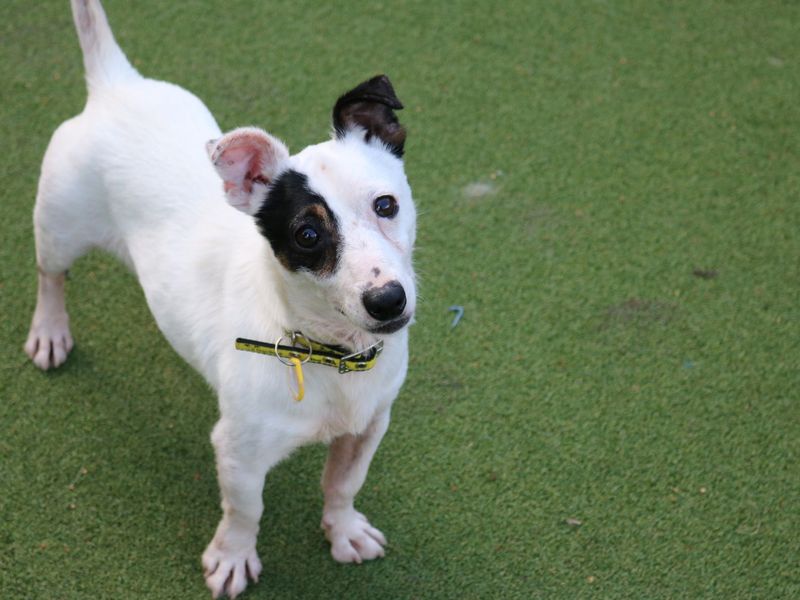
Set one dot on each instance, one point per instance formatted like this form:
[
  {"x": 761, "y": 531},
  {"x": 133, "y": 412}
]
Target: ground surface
[{"x": 609, "y": 188}]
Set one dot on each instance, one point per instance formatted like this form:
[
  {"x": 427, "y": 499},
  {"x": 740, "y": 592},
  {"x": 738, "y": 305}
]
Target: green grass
[{"x": 623, "y": 144}]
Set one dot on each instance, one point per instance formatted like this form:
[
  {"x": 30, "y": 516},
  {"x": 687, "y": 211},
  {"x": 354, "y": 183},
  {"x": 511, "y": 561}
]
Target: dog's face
[{"x": 338, "y": 216}]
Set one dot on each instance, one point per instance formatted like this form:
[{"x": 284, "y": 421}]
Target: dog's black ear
[{"x": 371, "y": 106}]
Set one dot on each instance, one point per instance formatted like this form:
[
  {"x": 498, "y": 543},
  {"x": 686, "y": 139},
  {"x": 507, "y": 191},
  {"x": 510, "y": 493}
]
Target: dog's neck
[
  {"x": 305, "y": 311},
  {"x": 331, "y": 334},
  {"x": 326, "y": 328}
]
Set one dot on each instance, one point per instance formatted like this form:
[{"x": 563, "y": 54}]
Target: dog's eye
[
  {"x": 385, "y": 206},
  {"x": 306, "y": 237}
]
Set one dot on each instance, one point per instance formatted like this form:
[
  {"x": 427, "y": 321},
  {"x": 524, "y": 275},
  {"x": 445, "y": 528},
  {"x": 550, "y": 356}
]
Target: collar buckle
[{"x": 370, "y": 353}]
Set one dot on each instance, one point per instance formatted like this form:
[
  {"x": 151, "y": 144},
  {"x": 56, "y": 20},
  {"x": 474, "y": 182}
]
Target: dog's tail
[{"x": 103, "y": 59}]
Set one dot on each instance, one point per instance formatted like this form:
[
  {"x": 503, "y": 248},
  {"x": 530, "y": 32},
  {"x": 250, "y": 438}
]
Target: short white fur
[{"x": 134, "y": 174}]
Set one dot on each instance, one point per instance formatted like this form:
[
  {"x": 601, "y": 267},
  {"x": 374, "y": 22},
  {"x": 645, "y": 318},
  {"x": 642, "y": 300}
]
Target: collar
[{"x": 305, "y": 350}]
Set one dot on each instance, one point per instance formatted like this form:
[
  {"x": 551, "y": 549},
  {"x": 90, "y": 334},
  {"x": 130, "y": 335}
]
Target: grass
[{"x": 610, "y": 189}]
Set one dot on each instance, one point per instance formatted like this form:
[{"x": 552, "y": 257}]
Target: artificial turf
[{"x": 610, "y": 190}]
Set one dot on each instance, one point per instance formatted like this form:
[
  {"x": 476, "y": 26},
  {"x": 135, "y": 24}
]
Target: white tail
[{"x": 103, "y": 59}]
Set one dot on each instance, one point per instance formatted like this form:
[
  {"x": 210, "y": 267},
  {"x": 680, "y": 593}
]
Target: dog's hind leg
[
  {"x": 71, "y": 215},
  {"x": 67, "y": 221},
  {"x": 49, "y": 340}
]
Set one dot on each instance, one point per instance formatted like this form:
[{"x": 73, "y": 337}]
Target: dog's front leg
[
  {"x": 243, "y": 458},
  {"x": 352, "y": 537}
]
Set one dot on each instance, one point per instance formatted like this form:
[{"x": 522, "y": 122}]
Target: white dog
[{"x": 308, "y": 257}]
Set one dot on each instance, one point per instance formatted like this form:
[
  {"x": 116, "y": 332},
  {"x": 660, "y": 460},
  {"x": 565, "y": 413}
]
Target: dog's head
[{"x": 338, "y": 216}]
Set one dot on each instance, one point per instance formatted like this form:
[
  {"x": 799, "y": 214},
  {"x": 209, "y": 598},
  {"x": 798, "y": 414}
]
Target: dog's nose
[{"x": 386, "y": 302}]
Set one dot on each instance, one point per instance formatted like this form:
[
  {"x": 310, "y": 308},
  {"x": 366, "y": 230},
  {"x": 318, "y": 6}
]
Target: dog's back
[
  {"x": 128, "y": 175},
  {"x": 140, "y": 145}
]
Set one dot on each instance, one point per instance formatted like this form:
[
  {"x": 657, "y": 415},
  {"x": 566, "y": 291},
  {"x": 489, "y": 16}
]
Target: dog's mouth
[
  {"x": 391, "y": 326},
  {"x": 381, "y": 327}
]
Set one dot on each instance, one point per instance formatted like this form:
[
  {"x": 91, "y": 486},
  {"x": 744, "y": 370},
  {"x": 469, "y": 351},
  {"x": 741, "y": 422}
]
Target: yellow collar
[{"x": 306, "y": 350}]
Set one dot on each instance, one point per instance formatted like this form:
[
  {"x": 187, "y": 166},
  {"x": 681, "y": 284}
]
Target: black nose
[{"x": 385, "y": 302}]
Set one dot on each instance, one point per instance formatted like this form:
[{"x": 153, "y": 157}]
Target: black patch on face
[{"x": 291, "y": 206}]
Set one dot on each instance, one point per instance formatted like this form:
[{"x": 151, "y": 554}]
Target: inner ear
[
  {"x": 370, "y": 106},
  {"x": 247, "y": 159}
]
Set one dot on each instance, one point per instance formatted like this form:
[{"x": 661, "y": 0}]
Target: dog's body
[{"x": 321, "y": 243}]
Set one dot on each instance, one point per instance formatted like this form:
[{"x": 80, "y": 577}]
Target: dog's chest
[{"x": 337, "y": 404}]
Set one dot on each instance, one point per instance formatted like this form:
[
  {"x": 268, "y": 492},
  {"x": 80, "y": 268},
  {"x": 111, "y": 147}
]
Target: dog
[{"x": 285, "y": 280}]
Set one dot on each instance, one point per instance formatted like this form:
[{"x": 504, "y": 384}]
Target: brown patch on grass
[
  {"x": 705, "y": 273},
  {"x": 640, "y": 312}
]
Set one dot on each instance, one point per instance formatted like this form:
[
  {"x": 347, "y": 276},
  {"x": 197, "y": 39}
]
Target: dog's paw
[
  {"x": 49, "y": 341},
  {"x": 226, "y": 573},
  {"x": 352, "y": 538}
]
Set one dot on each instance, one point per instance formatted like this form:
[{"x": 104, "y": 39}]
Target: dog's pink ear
[{"x": 248, "y": 159}]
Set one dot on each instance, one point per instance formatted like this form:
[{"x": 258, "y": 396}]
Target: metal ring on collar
[{"x": 289, "y": 363}]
